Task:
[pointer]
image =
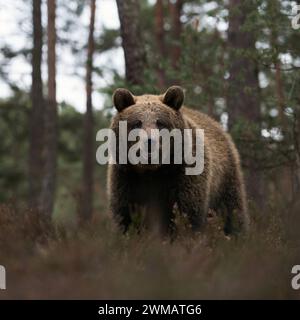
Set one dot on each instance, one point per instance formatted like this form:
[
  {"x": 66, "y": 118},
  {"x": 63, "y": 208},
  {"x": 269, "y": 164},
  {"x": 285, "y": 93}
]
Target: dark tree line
[
  {"x": 44, "y": 119},
  {"x": 167, "y": 43},
  {"x": 43, "y": 134},
  {"x": 243, "y": 99}
]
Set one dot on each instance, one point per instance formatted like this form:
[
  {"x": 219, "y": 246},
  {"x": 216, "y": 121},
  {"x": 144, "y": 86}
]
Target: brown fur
[{"x": 155, "y": 192}]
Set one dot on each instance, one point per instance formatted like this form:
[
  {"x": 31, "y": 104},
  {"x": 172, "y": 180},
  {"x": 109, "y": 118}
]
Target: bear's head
[{"x": 151, "y": 115}]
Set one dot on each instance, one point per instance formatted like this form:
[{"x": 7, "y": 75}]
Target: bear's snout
[{"x": 150, "y": 145}]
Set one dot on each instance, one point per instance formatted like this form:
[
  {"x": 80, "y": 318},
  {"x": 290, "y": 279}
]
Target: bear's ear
[
  {"x": 122, "y": 98},
  {"x": 174, "y": 97}
]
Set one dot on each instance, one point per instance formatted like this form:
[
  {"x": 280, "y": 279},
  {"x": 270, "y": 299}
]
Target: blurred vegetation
[
  {"x": 14, "y": 157},
  {"x": 202, "y": 69},
  {"x": 98, "y": 262}
]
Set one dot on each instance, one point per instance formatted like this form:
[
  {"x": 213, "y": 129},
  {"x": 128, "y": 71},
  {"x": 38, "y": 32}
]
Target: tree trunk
[
  {"x": 135, "y": 58},
  {"x": 49, "y": 179},
  {"x": 176, "y": 11},
  {"x": 297, "y": 149},
  {"x": 88, "y": 153},
  {"x": 37, "y": 112},
  {"x": 274, "y": 9},
  {"x": 243, "y": 99},
  {"x": 280, "y": 95},
  {"x": 160, "y": 41}
]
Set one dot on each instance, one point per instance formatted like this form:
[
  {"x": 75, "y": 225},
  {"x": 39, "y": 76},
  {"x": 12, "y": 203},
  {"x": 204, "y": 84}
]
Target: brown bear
[{"x": 153, "y": 190}]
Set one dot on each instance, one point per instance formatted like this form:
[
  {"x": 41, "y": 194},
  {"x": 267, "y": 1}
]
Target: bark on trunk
[
  {"x": 49, "y": 179},
  {"x": 135, "y": 58},
  {"x": 88, "y": 154},
  {"x": 160, "y": 41},
  {"x": 176, "y": 11},
  {"x": 37, "y": 111}
]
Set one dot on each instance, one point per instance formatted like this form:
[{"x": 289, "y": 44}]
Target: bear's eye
[
  {"x": 162, "y": 124},
  {"x": 136, "y": 124}
]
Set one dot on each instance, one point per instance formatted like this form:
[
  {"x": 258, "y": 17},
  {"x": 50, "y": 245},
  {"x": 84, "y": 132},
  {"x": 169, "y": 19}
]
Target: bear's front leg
[
  {"x": 118, "y": 190},
  {"x": 193, "y": 200},
  {"x": 122, "y": 216}
]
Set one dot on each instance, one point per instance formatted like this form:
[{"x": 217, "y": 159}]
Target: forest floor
[{"x": 97, "y": 262}]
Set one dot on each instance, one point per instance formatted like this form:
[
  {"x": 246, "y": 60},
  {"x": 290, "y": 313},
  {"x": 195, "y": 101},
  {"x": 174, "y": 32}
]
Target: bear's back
[{"x": 219, "y": 145}]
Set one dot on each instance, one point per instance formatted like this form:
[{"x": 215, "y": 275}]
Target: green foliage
[
  {"x": 14, "y": 123},
  {"x": 109, "y": 39},
  {"x": 14, "y": 147}
]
